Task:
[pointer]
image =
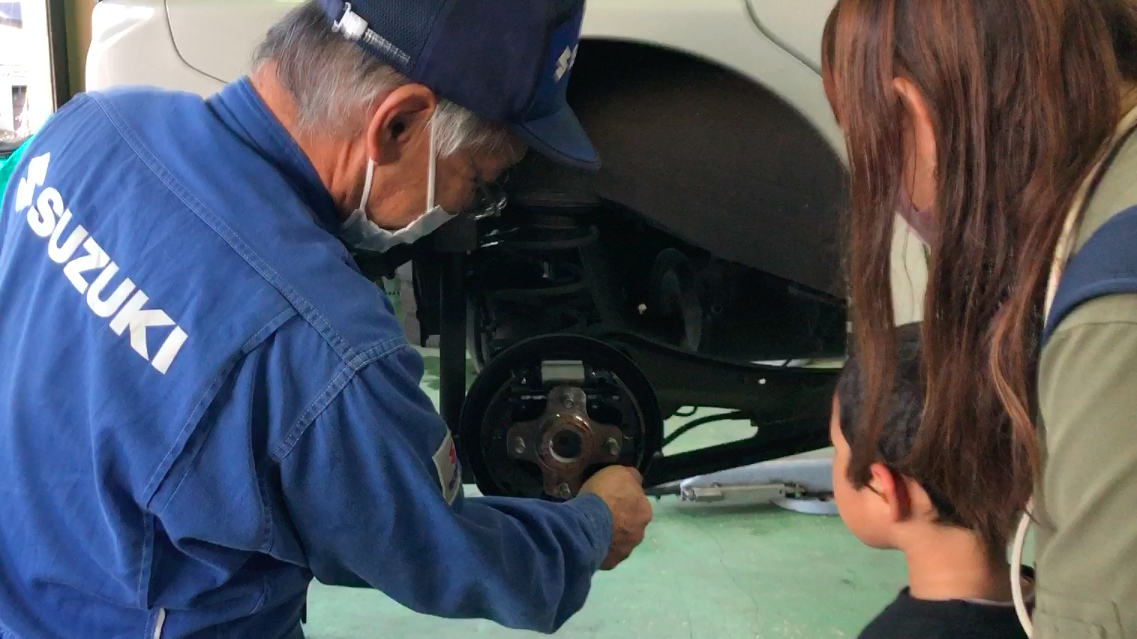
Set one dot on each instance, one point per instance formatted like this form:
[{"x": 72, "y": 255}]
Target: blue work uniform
[{"x": 204, "y": 403}]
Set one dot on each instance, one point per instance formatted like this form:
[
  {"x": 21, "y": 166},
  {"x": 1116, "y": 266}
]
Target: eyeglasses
[{"x": 489, "y": 201}]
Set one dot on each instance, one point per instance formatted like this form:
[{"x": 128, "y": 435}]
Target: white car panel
[
  {"x": 796, "y": 25},
  {"x": 217, "y": 37},
  {"x": 131, "y": 44}
]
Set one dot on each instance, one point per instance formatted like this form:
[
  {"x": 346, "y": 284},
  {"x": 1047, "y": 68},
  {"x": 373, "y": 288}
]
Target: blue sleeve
[{"x": 367, "y": 486}]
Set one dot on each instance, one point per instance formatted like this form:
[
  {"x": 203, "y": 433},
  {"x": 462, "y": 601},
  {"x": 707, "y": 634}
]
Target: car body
[{"x": 708, "y": 241}]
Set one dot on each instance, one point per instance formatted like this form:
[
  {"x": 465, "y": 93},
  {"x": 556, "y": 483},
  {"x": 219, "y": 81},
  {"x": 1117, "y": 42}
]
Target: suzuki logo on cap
[{"x": 566, "y": 61}]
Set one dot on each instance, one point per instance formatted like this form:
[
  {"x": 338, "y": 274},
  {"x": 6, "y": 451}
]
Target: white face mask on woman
[
  {"x": 921, "y": 223},
  {"x": 361, "y": 233}
]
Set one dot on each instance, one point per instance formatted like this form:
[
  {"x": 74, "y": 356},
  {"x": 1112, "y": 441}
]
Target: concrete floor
[
  {"x": 703, "y": 572},
  {"x": 747, "y": 574}
]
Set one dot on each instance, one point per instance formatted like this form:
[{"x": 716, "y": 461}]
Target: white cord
[
  {"x": 1016, "y": 572},
  {"x": 432, "y": 168},
  {"x": 159, "y": 623}
]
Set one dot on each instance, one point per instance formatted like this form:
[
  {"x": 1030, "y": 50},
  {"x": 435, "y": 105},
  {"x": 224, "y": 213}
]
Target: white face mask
[
  {"x": 361, "y": 233},
  {"x": 920, "y": 223}
]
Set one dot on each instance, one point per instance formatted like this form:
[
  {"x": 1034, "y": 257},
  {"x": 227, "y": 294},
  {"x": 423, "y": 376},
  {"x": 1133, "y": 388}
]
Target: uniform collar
[{"x": 240, "y": 108}]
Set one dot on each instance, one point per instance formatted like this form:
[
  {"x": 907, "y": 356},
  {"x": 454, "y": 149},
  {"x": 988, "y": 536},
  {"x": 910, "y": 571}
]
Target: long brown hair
[{"x": 1024, "y": 96}]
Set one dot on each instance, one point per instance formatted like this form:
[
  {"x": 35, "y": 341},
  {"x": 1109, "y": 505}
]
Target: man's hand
[{"x": 622, "y": 489}]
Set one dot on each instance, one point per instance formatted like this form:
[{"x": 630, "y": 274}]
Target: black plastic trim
[
  {"x": 57, "y": 41},
  {"x": 8, "y": 148}
]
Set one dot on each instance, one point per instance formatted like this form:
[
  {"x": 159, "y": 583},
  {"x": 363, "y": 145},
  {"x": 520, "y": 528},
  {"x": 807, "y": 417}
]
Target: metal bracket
[
  {"x": 801, "y": 485},
  {"x": 746, "y": 494}
]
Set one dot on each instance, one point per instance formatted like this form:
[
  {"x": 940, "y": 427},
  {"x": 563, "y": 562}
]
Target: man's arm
[
  {"x": 365, "y": 486},
  {"x": 1087, "y": 550}
]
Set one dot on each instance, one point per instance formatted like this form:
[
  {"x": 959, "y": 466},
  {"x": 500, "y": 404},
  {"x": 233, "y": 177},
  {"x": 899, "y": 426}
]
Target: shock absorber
[{"x": 529, "y": 280}]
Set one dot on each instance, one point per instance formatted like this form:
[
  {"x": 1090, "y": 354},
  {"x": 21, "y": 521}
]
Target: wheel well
[{"x": 710, "y": 155}]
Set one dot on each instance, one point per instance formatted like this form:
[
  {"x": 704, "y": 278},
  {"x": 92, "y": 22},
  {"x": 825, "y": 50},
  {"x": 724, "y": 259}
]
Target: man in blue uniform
[{"x": 204, "y": 404}]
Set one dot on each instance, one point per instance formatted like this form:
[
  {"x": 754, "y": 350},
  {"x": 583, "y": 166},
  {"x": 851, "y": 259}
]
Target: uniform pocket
[{"x": 1059, "y": 617}]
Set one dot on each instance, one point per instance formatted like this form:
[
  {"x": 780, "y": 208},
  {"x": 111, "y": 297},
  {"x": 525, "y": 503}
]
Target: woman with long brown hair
[{"x": 1001, "y": 130}]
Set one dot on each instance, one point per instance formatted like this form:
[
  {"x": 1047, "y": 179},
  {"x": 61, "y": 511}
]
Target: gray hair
[{"x": 335, "y": 83}]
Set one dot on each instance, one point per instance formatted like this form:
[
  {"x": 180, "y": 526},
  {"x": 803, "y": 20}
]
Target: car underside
[{"x": 697, "y": 269}]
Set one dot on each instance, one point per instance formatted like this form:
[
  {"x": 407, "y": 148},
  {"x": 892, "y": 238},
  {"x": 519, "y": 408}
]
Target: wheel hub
[{"x": 565, "y": 441}]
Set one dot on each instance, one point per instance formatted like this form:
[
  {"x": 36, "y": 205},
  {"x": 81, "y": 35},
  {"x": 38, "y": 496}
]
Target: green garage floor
[{"x": 703, "y": 572}]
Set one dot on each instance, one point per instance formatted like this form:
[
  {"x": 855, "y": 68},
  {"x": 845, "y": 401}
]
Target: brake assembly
[{"x": 546, "y": 414}]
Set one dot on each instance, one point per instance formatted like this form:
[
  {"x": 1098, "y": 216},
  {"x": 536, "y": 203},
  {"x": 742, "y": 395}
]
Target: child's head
[{"x": 897, "y": 493}]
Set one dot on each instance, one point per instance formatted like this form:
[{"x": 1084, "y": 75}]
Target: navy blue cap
[{"x": 508, "y": 61}]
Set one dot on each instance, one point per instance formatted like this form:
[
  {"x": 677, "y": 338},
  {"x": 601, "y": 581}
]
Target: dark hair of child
[{"x": 902, "y": 426}]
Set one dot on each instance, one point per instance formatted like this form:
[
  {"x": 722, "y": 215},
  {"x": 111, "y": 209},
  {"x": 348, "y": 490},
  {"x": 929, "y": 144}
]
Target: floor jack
[{"x": 800, "y": 485}]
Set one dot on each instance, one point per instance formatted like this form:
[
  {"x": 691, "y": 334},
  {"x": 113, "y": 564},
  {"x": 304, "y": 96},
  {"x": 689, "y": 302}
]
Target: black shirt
[{"x": 911, "y": 618}]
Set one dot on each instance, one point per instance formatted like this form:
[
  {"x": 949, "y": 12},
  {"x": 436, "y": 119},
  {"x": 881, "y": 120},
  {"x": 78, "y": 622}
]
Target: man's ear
[
  {"x": 892, "y": 491},
  {"x": 921, "y": 160},
  {"x": 400, "y": 121}
]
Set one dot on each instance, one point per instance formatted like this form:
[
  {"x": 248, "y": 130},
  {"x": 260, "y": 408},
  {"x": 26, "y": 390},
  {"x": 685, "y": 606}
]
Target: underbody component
[
  {"x": 675, "y": 296},
  {"x": 687, "y": 275},
  {"x": 789, "y": 406},
  {"x": 555, "y": 277},
  {"x": 801, "y": 485},
  {"x": 547, "y": 413},
  {"x": 565, "y": 441}
]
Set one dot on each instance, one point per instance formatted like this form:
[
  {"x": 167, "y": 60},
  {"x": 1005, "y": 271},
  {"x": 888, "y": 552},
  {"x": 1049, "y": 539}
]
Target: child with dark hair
[{"x": 958, "y": 580}]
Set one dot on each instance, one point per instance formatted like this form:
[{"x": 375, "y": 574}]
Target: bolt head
[
  {"x": 564, "y": 492},
  {"x": 519, "y": 446},
  {"x": 613, "y": 446}
]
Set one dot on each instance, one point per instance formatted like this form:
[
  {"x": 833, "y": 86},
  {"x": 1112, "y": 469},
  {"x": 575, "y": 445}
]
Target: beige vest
[{"x": 1068, "y": 240}]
